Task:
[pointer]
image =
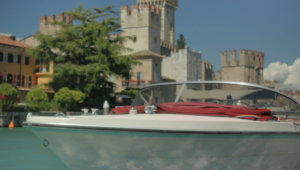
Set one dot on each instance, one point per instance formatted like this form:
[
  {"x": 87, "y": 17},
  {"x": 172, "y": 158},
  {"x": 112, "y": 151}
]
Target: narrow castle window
[{"x": 134, "y": 38}]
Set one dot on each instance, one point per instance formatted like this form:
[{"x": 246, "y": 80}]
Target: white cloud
[{"x": 288, "y": 76}]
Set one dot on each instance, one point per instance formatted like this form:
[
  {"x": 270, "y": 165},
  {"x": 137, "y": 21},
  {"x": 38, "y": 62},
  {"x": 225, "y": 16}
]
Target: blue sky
[{"x": 271, "y": 26}]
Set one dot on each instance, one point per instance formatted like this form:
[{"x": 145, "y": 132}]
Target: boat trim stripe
[{"x": 156, "y": 130}]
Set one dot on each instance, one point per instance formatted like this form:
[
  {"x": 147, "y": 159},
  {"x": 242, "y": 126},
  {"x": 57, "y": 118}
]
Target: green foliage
[
  {"x": 38, "y": 99},
  {"x": 22, "y": 108},
  {"x": 11, "y": 93},
  {"x": 68, "y": 100},
  {"x": 130, "y": 92},
  {"x": 181, "y": 42},
  {"x": 85, "y": 55}
]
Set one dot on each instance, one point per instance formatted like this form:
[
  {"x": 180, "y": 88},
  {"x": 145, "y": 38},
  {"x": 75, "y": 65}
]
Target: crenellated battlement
[
  {"x": 47, "y": 20},
  {"x": 246, "y": 57},
  {"x": 140, "y": 8},
  {"x": 173, "y": 3},
  {"x": 48, "y": 25},
  {"x": 140, "y": 16}
]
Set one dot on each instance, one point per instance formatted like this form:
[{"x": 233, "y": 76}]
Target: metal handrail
[{"x": 221, "y": 82}]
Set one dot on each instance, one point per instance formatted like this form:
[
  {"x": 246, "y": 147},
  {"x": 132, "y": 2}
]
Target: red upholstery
[{"x": 202, "y": 108}]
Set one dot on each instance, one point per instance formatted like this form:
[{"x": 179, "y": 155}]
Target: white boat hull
[
  {"x": 166, "y": 141},
  {"x": 98, "y": 149},
  {"x": 166, "y": 122}
]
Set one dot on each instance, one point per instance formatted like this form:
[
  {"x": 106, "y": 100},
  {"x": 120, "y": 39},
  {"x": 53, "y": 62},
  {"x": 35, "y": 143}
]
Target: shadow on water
[{"x": 21, "y": 149}]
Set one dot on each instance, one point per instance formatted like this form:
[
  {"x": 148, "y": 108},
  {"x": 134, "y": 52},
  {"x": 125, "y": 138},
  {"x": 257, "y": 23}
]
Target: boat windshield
[{"x": 226, "y": 93}]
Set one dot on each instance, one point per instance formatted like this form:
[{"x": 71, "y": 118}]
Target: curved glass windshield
[{"x": 228, "y": 93}]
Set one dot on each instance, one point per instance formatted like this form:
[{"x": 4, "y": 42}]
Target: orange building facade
[{"x": 16, "y": 66}]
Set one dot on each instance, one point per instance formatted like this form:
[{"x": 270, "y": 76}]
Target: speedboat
[{"x": 181, "y": 125}]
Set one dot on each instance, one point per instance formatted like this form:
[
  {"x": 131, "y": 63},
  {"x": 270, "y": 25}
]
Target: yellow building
[{"x": 16, "y": 67}]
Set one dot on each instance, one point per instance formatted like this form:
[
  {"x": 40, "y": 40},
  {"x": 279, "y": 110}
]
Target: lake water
[{"x": 21, "y": 149}]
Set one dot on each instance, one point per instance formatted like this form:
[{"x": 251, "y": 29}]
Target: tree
[
  {"x": 68, "y": 100},
  {"x": 9, "y": 91},
  {"x": 85, "y": 54},
  {"x": 37, "y": 99},
  {"x": 181, "y": 42}
]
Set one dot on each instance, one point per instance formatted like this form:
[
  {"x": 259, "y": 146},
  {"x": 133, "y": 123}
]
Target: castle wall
[
  {"x": 194, "y": 65},
  {"x": 184, "y": 65},
  {"x": 176, "y": 66},
  {"x": 207, "y": 71},
  {"x": 142, "y": 22},
  {"x": 48, "y": 25},
  {"x": 247, "y": 68},
  {"x": 167, "y": 7},
  {"x": 234, "y": 74},
  {"x": 167, "y": 24}
]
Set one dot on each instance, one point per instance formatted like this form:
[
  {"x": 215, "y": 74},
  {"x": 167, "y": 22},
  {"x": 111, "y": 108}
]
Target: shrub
[
  {"x": 68, "y": 100},
  {"x": 11, "y": 93},
  {"x": 37, "y": 100}
]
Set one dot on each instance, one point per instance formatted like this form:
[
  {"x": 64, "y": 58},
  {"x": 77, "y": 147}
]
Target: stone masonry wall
[{"x": 247, "y": 68}]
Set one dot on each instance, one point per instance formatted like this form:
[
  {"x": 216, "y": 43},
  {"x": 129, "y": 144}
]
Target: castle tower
[
  {"x": 243, "y": 58},
  {"x": 167, "y": 7},
  {"x": 142, "y": 22},
  {"x": 48, "y": 26},
  {"x": 248, "y": 68},
  {"x": 233, "y": 61},
  {"x": 224, "y": 61}
]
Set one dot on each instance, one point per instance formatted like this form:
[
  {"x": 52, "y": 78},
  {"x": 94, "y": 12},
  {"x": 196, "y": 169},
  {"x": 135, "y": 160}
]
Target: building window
[
  {"x": 139, "y": 77},
  {"x": 15, "y": 59},
  {"x": 18, "y": 80},
  {"x": 28, "y": 81},
  {"x": 19, "y": 59},
  {"x": 134, "y": 38},
  {"x": 5, "y": 57},
  {"x": 26, "y": 60},
  {"x": 9, "y": 78},
  {"x": 10, "y": 58},
  {"x": 1, "y": 56}
]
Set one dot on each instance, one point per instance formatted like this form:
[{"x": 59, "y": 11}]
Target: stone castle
[
  {"x": 248, "y": 67},
  {"x": 47, "y": 25},
  {"x": 151, "y": 23}
]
